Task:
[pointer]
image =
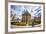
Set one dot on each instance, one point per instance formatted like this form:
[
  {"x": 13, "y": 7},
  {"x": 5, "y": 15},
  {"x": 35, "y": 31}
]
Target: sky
[{"x": 33, "y": 10}]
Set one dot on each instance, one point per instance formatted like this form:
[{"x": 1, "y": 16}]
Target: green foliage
[
  {"x": 13, "y": 18},
  {"x": 20, "y": 23},
  {"x": 34, "y": 22}
]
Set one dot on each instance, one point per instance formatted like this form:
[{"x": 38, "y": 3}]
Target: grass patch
[
  {"x": 23, "y": 23},
  {"x": 20, "y": 23}
]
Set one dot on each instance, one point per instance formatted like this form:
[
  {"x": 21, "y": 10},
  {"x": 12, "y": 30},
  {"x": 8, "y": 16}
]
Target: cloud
[{"x": 18, "y": 10}]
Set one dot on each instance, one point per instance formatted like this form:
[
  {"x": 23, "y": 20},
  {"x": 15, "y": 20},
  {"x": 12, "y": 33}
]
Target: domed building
[{"x": 26, "y": 17}]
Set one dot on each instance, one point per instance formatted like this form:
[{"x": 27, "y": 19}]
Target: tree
[
  {"x": 17, "y": 19},
  {"x": 13, "y": 18},
  {"x": 33, "y": 22}
]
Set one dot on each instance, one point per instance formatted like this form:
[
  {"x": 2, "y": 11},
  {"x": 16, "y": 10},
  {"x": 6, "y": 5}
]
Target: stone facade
[{"x": 26, "y": 17}]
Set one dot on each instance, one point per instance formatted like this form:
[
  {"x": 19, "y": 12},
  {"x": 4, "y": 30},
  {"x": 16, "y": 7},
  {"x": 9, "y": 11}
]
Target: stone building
[{"x": 26, "y": 17}]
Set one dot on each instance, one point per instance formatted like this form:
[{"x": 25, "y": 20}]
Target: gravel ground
[{"x": 14, "y": 26}]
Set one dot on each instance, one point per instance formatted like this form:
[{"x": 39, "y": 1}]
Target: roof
[{"x": 26, "y": 13}]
